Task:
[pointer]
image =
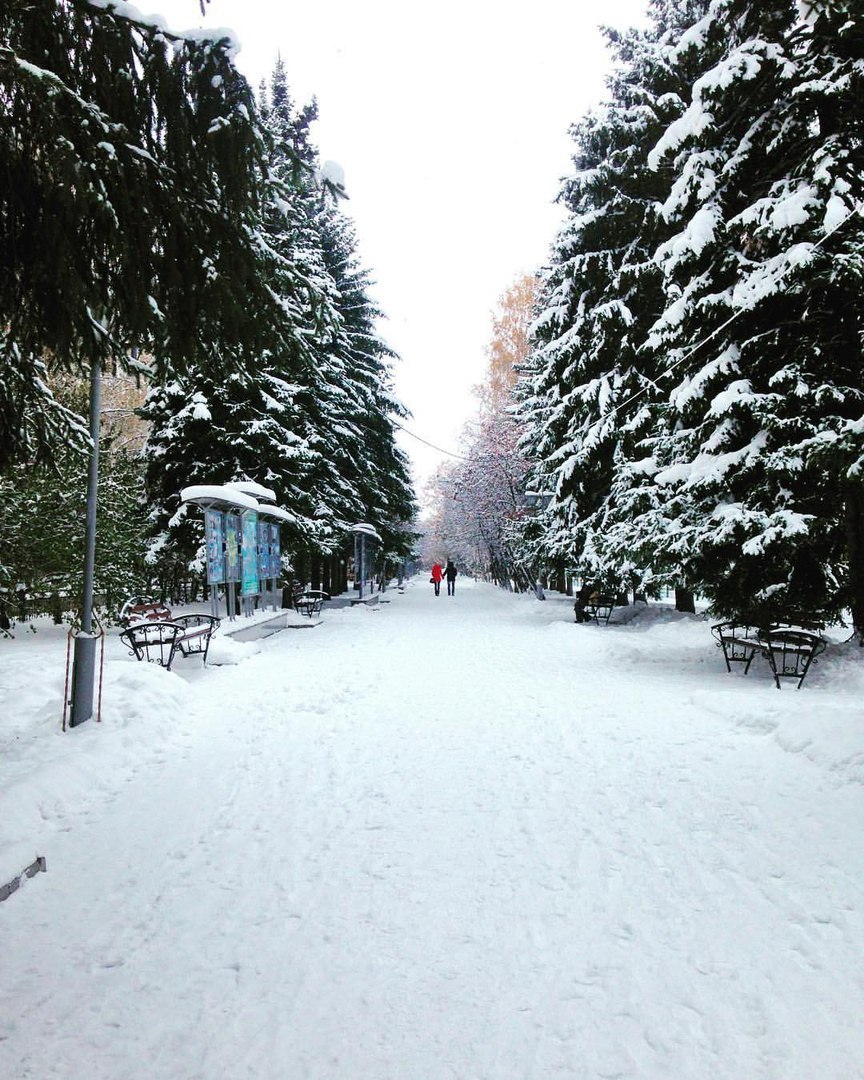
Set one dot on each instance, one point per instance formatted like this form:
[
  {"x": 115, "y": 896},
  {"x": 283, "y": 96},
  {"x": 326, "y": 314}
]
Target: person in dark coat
[
  {"x": 450, "y": 573},
  {"x": 585, "y": 596}
]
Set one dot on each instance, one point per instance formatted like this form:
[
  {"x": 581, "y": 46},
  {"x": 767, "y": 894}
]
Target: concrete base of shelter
[
  {"x": 368, "y": 600},
  {"x": 241, "y": 630}
]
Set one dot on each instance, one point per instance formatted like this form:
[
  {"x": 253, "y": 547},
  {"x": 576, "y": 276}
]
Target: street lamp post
[{"x": 84, "y": 657}]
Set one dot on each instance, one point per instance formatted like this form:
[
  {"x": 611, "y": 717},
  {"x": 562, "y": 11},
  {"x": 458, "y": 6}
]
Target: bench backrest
[
  {"x": 153, "y": 641},
  {"x": 154, "y": 612}
]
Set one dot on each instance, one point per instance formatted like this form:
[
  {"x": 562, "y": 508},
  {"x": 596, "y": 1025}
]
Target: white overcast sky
[{"x": 450, "y": 121}]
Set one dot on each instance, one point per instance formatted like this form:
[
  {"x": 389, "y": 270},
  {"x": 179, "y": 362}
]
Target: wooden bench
[
  {"x": 597, "y": 608},
  {"x": 789, "y": 650},
  {"x": 156, "y": 635},
  {"x": 308, "y": 601}
]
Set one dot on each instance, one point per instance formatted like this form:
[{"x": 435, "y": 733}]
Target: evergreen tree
[
  {"x": 586, "y": 391},
  {"x": 131, "y": 174},
  {"x": 42, "y": 531},
  {"x": 730, "y": 459},
  {"x": 762, "y": 320},
  {"x": 362, "y": 406},
  {"x": 831, "y": 48},
  {"x": 252, "y": 425},
  {"x": 356, "y": 471},
  {"x": 303, "y": 421}
]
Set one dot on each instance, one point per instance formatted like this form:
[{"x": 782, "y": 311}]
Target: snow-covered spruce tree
[
  {"x": 357, "y": 471},
  {"x": 586, "y": 392},
  {"x": 361, "y": 408},
  {"x": 302, "y": 422},
  {"x": 832, "y": 87},
  {"x": 751, "y": 466},
  {"x": 305, "y": 374},
  {"x": 131, "y": 168},
  {"x": 253, "y": 424}
]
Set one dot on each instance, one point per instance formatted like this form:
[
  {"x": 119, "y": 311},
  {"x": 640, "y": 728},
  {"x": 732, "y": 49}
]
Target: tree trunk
[
  {"x": 684, "y": 600},
  {"x": 855, "y": 555}
]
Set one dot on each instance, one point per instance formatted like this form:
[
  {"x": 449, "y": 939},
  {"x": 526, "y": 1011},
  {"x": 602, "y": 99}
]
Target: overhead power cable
[
  {"x": 858, "y": 209},
  {"x": 440, "y": 449}
]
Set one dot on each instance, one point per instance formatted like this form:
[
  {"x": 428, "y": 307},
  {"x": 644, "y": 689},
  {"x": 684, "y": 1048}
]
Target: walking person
[
  {"x": 450, "y": 573},
  {"x": 437, "y": 574}
]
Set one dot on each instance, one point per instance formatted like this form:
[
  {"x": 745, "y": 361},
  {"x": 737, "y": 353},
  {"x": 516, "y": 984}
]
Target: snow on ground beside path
[{"x": 447, "y": 838}]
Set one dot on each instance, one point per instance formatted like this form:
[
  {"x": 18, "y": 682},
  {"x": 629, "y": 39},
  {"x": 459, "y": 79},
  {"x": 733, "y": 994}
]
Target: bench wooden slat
[{"x": 148, "y": 613}]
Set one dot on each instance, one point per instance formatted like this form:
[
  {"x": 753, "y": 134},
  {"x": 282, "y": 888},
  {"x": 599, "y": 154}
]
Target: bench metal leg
[{"x": 745, "y": 660}]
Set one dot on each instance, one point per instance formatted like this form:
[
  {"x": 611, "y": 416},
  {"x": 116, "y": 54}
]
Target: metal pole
[{"x": 84, "y": 660}]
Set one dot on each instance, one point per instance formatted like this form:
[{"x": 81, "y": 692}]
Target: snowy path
[{"x": 455, "y": 838}]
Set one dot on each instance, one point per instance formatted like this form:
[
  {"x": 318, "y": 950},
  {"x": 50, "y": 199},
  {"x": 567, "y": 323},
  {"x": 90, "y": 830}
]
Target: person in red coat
[{"x": 437, "y": 574}]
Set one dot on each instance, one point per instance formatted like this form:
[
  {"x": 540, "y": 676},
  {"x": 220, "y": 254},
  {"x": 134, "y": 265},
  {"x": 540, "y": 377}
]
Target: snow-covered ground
[{"x": 455, "y": 838}]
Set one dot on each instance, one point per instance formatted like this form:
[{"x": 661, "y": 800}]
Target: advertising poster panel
[
  {"x": 214, "y": 535},
  {"x": 264, "y": 551},
  {"x": 249, "y": 554},
  {"x": 275, "y": 551},
  {"x": 232, "y": 547}
]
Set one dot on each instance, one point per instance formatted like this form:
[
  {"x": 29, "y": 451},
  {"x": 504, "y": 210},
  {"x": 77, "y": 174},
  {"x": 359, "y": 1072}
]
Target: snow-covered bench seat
[
  {"x": 154, "y": 634},
  {"x": 790, "y": 650},
  {"x": 308, "y": 601}
]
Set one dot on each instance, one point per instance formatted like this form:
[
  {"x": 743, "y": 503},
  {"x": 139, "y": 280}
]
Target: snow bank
[{"x": 49, "y": 775}]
